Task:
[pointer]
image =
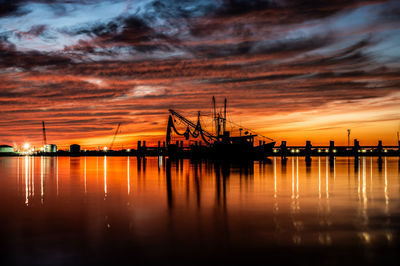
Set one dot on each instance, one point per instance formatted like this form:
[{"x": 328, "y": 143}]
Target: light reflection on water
[{"x": 88, "y": 205}]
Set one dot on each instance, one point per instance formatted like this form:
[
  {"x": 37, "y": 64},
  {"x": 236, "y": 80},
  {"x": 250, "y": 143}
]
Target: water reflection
[
  {"x": 175, "y": 204},
  {"x": 128, "y": 175},
  {"x": 57, "y": 175},
  {"x": 386, "y": 190},
  {"x": 41, "y": 179},
  {"x": 84, "y": 176},
  {"x": 169, "y": 184},
  {"x": 319, "y": 177},
  {"x": 27, "y": 191},
  {"x": 105, "y": 176}
]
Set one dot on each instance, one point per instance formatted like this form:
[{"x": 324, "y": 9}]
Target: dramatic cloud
[{"x": 290, "y": 69}]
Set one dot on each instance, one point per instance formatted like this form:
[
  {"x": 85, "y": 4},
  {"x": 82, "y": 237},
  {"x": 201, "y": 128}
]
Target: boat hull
[{"x": 222, "y": 152}]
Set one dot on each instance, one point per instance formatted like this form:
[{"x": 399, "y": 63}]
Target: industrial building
[
  {"x": 6, "y": 149},
  {"x": 74, "y": 148},
  {"x": 50, "y": 148}
]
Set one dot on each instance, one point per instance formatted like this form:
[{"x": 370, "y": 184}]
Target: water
[{"x": 110, "y": 210}]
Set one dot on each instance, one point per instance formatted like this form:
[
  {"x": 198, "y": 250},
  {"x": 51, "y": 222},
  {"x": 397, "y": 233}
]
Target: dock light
[
  {"x": 326, "y": 150},
  {"x": 384, "y": 150},
  {"x": 334, "y": 151},
  {"x": 105, "y": 148},
  {"x": 292, "y": 151},
  {"x": 42, "y": 149},
  {"x": 319, "y": 150},
  {"x": 27, "y": 146},
  {"x": 128, "y": 150},
  {"x": 364, "y": 151},
  {"x": 297, "y": 150},
  {"x": 275, "y": 150}
]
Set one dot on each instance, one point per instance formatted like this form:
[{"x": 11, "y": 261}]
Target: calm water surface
[{"x": 121, "y": 210}]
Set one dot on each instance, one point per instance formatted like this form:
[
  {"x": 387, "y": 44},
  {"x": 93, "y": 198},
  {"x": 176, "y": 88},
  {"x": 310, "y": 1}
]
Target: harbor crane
[
  {"x": 115, "y": 135},
  {"x": 44, "y": 135}
]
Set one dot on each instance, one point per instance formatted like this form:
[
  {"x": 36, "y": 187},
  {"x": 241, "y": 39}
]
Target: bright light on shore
[
  {"x": 27, "y": 146},
  {"x": 105, "y": 149}
]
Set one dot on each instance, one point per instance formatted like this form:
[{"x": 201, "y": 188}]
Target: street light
[{"x": 348, "y": 137}]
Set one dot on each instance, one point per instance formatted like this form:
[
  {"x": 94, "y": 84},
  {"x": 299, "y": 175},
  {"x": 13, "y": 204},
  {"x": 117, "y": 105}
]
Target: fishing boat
[{"x": 220, "y": 145}]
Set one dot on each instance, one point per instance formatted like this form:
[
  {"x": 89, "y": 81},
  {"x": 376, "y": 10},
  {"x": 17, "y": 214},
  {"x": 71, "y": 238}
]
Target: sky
[{"x": 291, "y": 70}]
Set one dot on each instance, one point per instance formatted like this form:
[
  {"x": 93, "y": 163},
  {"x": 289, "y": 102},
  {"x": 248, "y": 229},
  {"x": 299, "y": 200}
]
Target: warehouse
[{"x": 6, "y": 149}]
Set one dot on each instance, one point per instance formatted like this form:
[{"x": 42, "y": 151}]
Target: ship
[{"x": 219, "y": 145}]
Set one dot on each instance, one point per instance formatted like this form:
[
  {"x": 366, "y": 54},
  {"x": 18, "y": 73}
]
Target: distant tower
[{"x": 348, "y": 137}]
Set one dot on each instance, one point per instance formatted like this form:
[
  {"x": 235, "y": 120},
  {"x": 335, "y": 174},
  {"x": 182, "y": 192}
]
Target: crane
[
  {"x": 44, "y": 135},
  {"x": 115, "y": 135}
]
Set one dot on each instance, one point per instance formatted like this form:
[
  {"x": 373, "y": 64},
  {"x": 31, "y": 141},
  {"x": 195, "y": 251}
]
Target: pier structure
[
  {"x": 332, "y": 150},
  {"x": 193, "y": 148}
]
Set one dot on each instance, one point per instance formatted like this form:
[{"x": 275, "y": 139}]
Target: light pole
[{"x": 348, "y": 137}]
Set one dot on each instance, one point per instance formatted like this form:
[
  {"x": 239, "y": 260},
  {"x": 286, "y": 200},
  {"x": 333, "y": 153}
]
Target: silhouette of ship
[{"x": 220, "y": 145}]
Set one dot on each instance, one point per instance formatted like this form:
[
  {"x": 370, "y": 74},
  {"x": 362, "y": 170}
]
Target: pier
[
  {"x": 332, "y": 150},
  {"x": 194, "y": 149},
  {"x": 282, "y": 150}
]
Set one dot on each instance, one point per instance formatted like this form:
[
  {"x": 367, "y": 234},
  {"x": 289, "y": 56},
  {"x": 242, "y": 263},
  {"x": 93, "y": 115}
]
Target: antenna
[{"x": 348, "y": 137}]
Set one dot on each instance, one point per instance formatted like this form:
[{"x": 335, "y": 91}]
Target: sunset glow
[{"x": 290, "y": 70}]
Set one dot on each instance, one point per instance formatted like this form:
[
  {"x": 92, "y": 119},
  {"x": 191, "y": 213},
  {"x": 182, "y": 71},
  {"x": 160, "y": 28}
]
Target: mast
[
  {"x": 215, "y": 117},
  {"x": 224, "y": 123},
  {"x": 218, "y": 124}
]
